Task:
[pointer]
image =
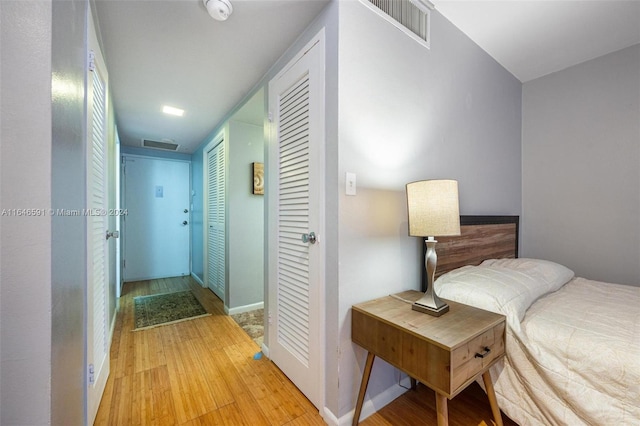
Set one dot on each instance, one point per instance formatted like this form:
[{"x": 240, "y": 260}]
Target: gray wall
[
  {"x": 25, "y": 242},
  {"x": 581, "y": 168},
  {"x": 43, "y": 258},
  {"x": 245, "y": 216},
  {"x": 409, "y": 113},
  {"x": 68, "y": 191}
]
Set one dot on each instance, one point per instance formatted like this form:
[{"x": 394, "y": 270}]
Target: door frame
[
  {"x": 271, "y": 230},
  {"x": 220, "y": 137}
]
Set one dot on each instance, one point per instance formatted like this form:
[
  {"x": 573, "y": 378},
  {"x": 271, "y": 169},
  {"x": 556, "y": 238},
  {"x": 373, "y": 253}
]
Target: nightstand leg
[
  {"x": 488, "y": 384},
  {"x": 441, "y": 410},
  {"x": 414, "y": 383},
  {"x": 363, "y": 387}
]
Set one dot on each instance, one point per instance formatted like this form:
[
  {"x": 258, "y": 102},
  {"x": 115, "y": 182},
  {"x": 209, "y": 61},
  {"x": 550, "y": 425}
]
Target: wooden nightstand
[{"x": 445, "y": 353}]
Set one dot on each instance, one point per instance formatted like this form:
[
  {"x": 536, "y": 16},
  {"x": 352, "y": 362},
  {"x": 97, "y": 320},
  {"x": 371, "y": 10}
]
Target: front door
[{"x": 156, "y": 223}]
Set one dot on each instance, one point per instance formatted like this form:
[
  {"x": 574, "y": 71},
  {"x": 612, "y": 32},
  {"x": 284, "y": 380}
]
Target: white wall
[
  {"x": 25, "y": 242},
  {"x": 245, "y": 217},
  {"x": 409, "y": 113},
  {"x": 581, "y": 167}
]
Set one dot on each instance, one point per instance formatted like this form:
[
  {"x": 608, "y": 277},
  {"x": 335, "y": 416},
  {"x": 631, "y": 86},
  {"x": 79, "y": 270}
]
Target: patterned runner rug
[{"x": 169, "y": 308}]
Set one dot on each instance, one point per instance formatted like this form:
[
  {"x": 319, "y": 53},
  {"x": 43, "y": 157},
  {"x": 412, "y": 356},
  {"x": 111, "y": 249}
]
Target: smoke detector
[{"x": 218, "y": 9}]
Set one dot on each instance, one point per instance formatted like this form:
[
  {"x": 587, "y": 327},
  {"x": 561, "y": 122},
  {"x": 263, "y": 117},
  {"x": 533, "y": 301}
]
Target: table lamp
[{"x": 433, "y": 211}]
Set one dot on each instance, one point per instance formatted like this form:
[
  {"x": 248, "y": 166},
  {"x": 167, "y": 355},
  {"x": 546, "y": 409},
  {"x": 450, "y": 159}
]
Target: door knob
[
  {"x": 309, "y": 238},
  {"x": 184, "y": 222},
  {"x": 113, "y": 234},
  {"x": 186, "y": 211}
]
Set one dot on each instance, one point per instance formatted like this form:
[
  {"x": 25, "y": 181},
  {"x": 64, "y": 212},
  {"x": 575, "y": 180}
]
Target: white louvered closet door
[
  {"x": 296, "y": 260},
  {"x": 97, "y": 222},
  {"x": 216, "y": 220}
]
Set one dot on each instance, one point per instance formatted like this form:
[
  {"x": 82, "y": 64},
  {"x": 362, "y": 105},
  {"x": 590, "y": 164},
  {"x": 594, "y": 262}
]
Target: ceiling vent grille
[
  {"x": 411, "y": 16},
  {"x": 163, "y": 145}
]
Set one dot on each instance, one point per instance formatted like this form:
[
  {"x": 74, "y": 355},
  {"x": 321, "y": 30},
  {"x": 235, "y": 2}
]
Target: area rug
[
  {"x": 252, "y": 323},
  {"x": 168, "y": 308}
]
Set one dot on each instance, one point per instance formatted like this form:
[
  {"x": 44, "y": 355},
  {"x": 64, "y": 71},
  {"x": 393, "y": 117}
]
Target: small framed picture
[{"x": 258, "y": 178}]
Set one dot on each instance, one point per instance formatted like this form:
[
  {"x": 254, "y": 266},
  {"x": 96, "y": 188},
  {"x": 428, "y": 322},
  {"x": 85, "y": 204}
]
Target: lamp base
[{"x": 436, "y": 312}]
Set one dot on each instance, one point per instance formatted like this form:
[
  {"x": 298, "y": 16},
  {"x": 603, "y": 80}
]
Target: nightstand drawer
[{"x": 475, "y": 356}]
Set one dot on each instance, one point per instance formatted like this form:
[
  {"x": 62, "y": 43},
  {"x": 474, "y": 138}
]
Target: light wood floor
[
  {"x": 469, "y": 408},
  {"x": 197, "y": 372},
  {"x": 202, "y": 372}
]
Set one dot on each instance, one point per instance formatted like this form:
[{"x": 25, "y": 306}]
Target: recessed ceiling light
[{"x": 173, "y": 111}]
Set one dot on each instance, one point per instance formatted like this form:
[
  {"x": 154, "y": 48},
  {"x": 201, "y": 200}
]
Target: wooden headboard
[{"x": 481, "y": 238}]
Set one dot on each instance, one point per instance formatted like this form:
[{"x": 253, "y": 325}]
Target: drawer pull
[{"x": 484, "y": 353}]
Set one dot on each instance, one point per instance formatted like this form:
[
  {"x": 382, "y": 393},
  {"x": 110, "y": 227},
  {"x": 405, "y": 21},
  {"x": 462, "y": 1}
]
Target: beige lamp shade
[{"x": 433, "y": 208}]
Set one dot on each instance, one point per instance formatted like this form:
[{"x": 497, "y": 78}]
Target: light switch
[
  {"x": 159, "y": 191},
  {"x": 350, "y": 184}
]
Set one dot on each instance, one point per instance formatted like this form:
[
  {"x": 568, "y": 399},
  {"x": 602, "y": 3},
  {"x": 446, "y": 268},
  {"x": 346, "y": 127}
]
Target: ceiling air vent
[
  {"x": 168, "y": 145},
  {"x": 410, "y": 16}
]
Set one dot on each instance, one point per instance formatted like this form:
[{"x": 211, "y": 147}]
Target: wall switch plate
[{"x": 350, "y": 184}]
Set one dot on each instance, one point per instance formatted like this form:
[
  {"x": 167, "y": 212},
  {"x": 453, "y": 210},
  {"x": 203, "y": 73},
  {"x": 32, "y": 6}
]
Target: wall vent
[
  {"x": 163, "y": 145},
  {"x": 411, "y": 16}
]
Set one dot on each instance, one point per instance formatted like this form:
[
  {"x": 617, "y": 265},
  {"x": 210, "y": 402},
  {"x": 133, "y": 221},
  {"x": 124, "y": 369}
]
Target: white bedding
[{"x": 575, "y": 357}]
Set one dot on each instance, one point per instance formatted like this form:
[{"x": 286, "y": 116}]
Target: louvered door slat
[
  {"x": 216, "y": 219},
  {"x": 295, "y": 178},
  {"x": 97, "y": 223},
  {"x": 296, "y": 125},
  {"x": 293, "y": 220}
]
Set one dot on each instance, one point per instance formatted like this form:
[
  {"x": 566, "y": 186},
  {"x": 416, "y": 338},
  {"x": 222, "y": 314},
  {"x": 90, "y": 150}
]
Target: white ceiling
[
  {"x": 172, "y": 52},
  {"x": 536, "y": 38}
]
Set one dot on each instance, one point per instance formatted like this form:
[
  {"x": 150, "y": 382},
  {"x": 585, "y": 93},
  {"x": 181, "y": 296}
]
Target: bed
[{"x": 573, "y": 345}]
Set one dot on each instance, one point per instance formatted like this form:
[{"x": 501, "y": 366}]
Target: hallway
[{"x": 196, "y": 372}]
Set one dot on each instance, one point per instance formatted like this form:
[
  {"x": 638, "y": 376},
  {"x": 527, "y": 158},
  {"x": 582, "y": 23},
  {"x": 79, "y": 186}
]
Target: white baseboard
[
  {"x": 113, "y": 322},
  {"x": 370, "y": 406},
  {"x": 155, "y": 277},
  {"x": 245, "y": 308},
  {"x": 265, "y": 350},
  {"x": 197, "y": 278},
  {"x": 330, "y": 418}
]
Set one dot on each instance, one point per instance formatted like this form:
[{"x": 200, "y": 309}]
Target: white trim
[
  {"x": 197, "y": 279},
  {"x": 113, "y": 322},
  {"x": 153, "y": 277},
  {"x": 118, "y": 220},
  {"x": 265, "y": 349},
  {"x": 330, "y": 418},
  {"x": 245, "y": 308},
  {"x": 370, "y": 406}
]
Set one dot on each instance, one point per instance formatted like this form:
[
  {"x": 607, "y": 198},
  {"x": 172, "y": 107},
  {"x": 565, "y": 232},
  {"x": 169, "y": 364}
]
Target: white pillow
[
  {"x": 508, "y": 288},
  {"x": 497, "y": 290},
  {"x": 550, "y": 274}
]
